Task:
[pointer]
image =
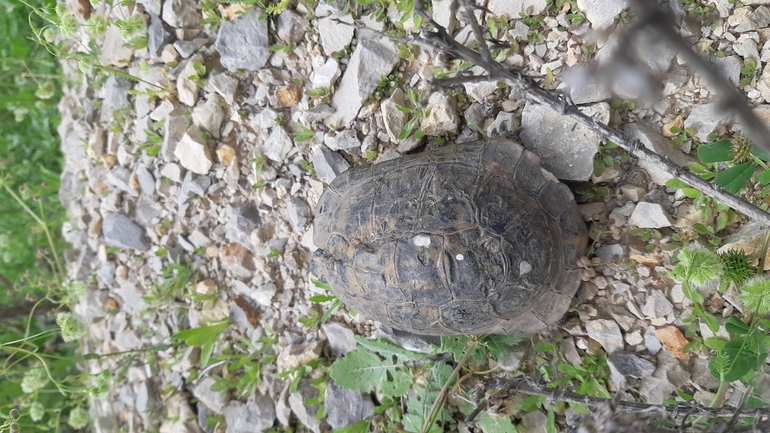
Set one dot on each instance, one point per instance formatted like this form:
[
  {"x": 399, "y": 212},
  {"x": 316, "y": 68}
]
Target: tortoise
[{"x": 473, "y": 238}]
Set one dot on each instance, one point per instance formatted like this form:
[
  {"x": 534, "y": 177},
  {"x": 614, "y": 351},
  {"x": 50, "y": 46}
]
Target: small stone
[
  {"x": 505, "y": 123},
  {"x": 657, "y": 305},
  {"x": 236, "y": 258},
  {"x": 327, "y": 74},
  {"x": 120, "y": 231},
  {"x": 214, "y": 400},
  {"x": 181, "y": 13},
  {"x": 393, "y": 118},
  {"x": 114, "y": 52},
  {"x": 115, "y": 97},
  {"x": 656, "y": 142},
  {"x": 224, "y": 85},
  {"x": 287, "y": 96},
  {"x": 440, "y": 116},
  {"x": 730, "y": 67},
  {"x": 172, "y": 172},
  {"x": 208, "y": 116},
  {"x": 258, "y": 414},
  {"x": 291, "y": 26},
  {"x": 372, "y": 59},
  {"x": 608, "y": 253},
  {"x": 334, "y": 35},
  {"x": 444, "y": 16},
  {"x": 649, "y": 215},
  {"x": 533, "y": 422},
  {"x": 299, "y": 213},
  {"x": 146, "y": 180},
  {"x": 674, "y": 340},
  {"x": 278, "y": 145},
  {"x": 602, "y": 13},
  {"x": 243, "y": 43},
  {"x": 193, "y": 151},
  {"x": 652, "y": 342},
  {"x": 345, "y": 407},
  {"x": 633, "y": 192},
  {"x": 634, "y": 338},
  {"x": 328, "y": 164},
  {"x": 341, "y": 339},
  {"x": 188, "y": 48},
  {"x": 705, "y": 118},
  {"x": 206, "y": 287},
  {"x": 187, "y": 85},
  {"x": 607, "y": 333},
  {"x": 225, "y": 154},
  {"x": 566, "y": 149},
  {"x": 306, "y": 414},
  {"x": 343, "y": 140}
]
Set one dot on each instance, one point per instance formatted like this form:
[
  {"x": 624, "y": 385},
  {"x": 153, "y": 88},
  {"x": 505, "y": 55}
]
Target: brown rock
[
  {"x": 225, "y": 154},
  {"x": 287, "y": 96},
  {"x": 674, "y": 340}
]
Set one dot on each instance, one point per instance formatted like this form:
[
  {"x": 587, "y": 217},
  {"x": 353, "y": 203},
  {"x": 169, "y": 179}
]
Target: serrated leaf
[
  {"x": 399, "y": 383},
  {"x": 720, "y": 151},
  {"x": 735, "y": 178},
  {"x": 736, "y": 326},
  {"x": 500, "y": 345},
  {"x": 737, "y": 358},
  {"x": 359, "y": 370},
  {"x": 388, "y": 349}
]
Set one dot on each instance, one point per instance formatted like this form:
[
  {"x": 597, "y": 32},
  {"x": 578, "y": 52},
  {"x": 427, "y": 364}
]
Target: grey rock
[
  {"x": 131, "y": 296},
  {"x": 172, "y": 172},
  {"x": 343, "y": 140},
  {"x": 328, "y": 164},
  {"x": 147, "y": 399},
  {"x": 584, "y": 86},
  {"x": 649, "y": 215},
  {"x": 114, "y": 50},
  {"x": 443, "y": 15},
  {"x": 505, "y": 123},
  {"x": 630, "y": 364},
  {"x": 199, "y": 185},
  {"x": 208, "y": 116},
  {"x": 410, "y": 143},
  {"x": 265, "y": 119},
  {"x": 345, "y": 407},
  {"x": 187, "y": 85},
  {"x": 188, "y": 48},
  {"x": 106, "y": 273},
  {"x": 566, "y": 149},
  {"x": 607, "y": 333},
  {"x": 705, "y": 118},
  {"x": 651, "y": 341},
  {"x": 512, "y": 8},
  {"x": 306, "y": 414},
  {"x": 657, "y": 305},
  {"x": 608, "y": 253},
  {"x": 372, "y": 59},
  {"x": 701, "y": 374},
  {"x": 440, "y": 115},
  {"x": 665, "y": 380},
  {"x": 291, "y": 26},
  {"x": 145, "y": 211},
  {"x": 341, "y": 339},
  {"x": 601, "y": 13},
  {"x": 661, "y": 145},
  {"x": 763, "y": 84},
  {"x": 327, "y": 74},
  {"x": 245, "y": 218},
  {"x": 243, "y": 43},
  {"x": 316, "y": 114},
  {"x": 157, "y": 35},
  {"x": 181, "y": 13},
  {"x": 730, "y": 67},
  {"x": 392, "y": 117},
  {"x": 334, "y": 35},
  {"x": 746, "y": 47},
  {"x": 224, "y": 85},
  {"x": 193, "y": 151},
  {"x": 115, "y": 97},
  {"x": 214, "y": 400},
  {"x": 120, "y": 231},
  {"x": 257, "y": 415},
  {"x": 278, "y": 145},
  {"x": 299, "y": 213},
  {"x": 120, "y": 178},
  {"x": 480, "y": 90},
  {"x": 146, "y": 179}
]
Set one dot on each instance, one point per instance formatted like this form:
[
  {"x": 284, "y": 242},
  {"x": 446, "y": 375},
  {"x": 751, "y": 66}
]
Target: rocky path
[{"x": 212, "y": 158}]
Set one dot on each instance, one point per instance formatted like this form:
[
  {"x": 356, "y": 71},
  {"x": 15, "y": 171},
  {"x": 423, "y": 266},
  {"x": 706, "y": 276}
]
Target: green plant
[
  {"x": 682, "y": 136},
  {"x": 176, "y": 279},
  {"x": 416, "y": 114},
  {"x": 304, "y": 133},
  {"x": 259, "y": 162},
  {"x": 204, "y": 337},
  {"x": 606, "y": 159},
  {"x": 748, "y": 72},
  {"x": 315, "y": 319},
  {"x": 244, "y": 364}
]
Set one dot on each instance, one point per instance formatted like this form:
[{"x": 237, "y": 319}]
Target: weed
[
  {"x": 748, "y": 72},
  {"x": 304, "y": 134},
  {"x": 416, "y": 114},
  {"x": 259, "y": 162}
]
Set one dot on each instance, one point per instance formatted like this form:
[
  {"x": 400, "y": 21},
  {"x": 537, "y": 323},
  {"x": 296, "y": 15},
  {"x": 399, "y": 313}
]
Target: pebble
[
  {"x": 208, "y": 116},
  {"x": 120, "y": 231},
  {"x": 214, "y": 400},
  {"x": 649, "y": 215},
  {"x": 224, "y": 85},
  {"x": 291, "y": 26},
  {"x": 187, "y": 85},
  {"x": 278, "y": 145},
  {"x": 341, "y": 339},
  {"x": 328, "y": 164},
  {"x": 243, "y": 43},
  {"x": 345, "y": 407},
  {"x": 440, "y": 116},
  {"x": 327, "y": 74},
  {"x": 193, "y": 151},
  {"x": 601, "y": 13},
  {"x": 258, "y": 414},
  {"x": 393, "y": 118},
  {"x": 335, "y": 36},
  {"x": 607, "y": 333}
]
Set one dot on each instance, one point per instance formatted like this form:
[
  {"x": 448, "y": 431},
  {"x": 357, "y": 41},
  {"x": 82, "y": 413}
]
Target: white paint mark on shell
[
  {"x": 421, "y": 240},
  {"x": 459, "y": 257},
  {"x": 524, "y": 268}
]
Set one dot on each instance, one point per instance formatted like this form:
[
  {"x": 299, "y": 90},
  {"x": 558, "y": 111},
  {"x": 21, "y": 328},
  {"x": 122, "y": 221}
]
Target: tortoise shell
[{"x": 473, "y": 238}]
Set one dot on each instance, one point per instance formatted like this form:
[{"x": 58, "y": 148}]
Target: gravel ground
[{"x": 215, "y": 158}]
